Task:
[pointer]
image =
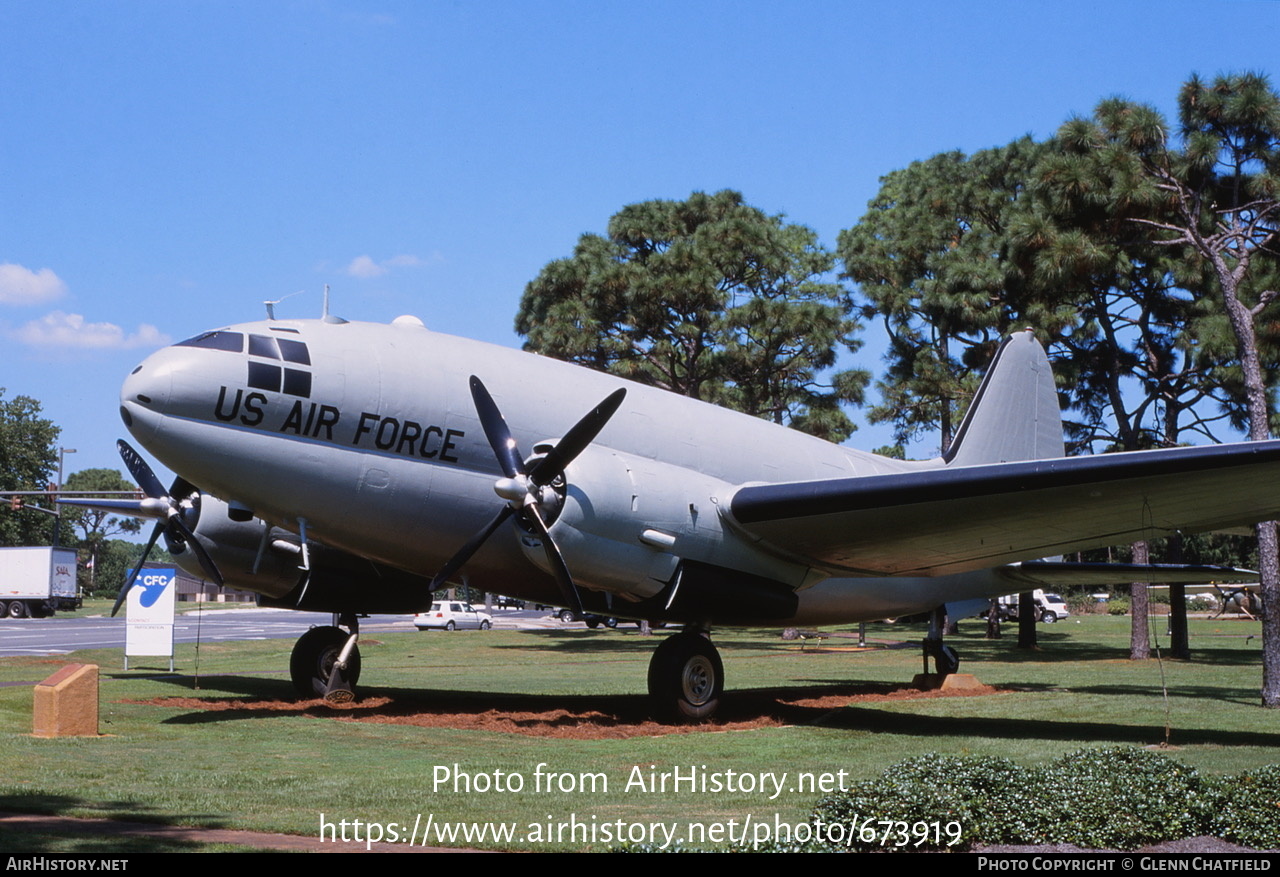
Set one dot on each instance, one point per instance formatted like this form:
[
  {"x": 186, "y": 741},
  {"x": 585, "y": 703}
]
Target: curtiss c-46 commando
[{"x": 355, "y": 468}]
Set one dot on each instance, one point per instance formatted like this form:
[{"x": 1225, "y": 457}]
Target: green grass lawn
[{"x": 272, "y": 771}]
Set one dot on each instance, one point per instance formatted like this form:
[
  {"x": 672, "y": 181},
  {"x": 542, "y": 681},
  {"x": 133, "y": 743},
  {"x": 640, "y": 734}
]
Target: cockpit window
[
  {"x": 232, "y": 341},
  {"x": 263, "y": 345},
  {"x": 294, "y": 351}
]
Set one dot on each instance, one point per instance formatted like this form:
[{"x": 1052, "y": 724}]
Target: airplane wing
[{"x": 953, "y": 519}]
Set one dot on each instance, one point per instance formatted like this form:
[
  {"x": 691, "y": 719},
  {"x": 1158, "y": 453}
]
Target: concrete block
[{"x": 66, "y": 704}]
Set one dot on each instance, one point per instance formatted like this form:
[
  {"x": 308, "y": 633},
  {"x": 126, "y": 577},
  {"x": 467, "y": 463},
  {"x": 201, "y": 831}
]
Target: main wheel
[
  {"x": 313, "y": 658},
  {"x": 686, "y": 678},
  {"x": 17, "y": 609}
]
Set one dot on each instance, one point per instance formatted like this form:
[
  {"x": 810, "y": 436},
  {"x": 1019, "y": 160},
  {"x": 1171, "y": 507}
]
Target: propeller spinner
[{"x": 522, "y": 488}]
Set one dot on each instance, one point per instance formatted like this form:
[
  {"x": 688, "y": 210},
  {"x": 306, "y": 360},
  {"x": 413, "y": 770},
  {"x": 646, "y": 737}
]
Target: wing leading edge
[{"x": 953, "y": 519}]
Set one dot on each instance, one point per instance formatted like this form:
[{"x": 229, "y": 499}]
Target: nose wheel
[
  {"x": 686, "y": 678},
  {"x": 326, "y": 663}
]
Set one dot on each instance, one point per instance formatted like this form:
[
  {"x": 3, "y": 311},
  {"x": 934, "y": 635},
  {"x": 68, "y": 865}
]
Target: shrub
[
  {"x": 1098, "y": 798},
  {"x": 1250, "y": 808},
  {"x": 1119, "y": 798}
]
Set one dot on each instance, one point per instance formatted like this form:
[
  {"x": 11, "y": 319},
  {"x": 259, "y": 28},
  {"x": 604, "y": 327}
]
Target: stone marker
[{"x": 66, "y": 704}]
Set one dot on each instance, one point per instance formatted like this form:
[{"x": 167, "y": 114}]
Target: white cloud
[
  {"x": 60, "y": 330},
  {"x": 364, "y": 266},
  {"x": 22, "y": 286}
]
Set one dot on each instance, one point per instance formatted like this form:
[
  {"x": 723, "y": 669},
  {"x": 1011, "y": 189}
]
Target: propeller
[
  {"x": 522, "y": 487},
  {"x": 163, "y": 505}
]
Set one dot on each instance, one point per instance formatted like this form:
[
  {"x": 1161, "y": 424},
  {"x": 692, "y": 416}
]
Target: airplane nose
[{"x": 145, "y": 394}]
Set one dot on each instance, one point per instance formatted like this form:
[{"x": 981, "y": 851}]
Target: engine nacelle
[
  {"x": 254, "y": 556},
  {"x": 627, "y": 523}
]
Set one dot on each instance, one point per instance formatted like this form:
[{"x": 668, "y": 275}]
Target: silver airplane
[{"x": 355, "y": 468}]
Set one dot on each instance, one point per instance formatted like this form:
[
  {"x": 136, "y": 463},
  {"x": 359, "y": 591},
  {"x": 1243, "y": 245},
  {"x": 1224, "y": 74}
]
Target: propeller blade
[
  {"x": 137, "y": 568},
  {"x": 206, "y": 562},
  {"x": 496, "y": 430},
  {"x": 473, "y": 545},
  {"x": 174, "y": 524},
  {"x": 150, "y": 507},
  {"x": 576, "y": 440},
  {"x": 561, "y": 570},
  {"x": 514, "y": 486},
  {"x": 141, "y": 472}
]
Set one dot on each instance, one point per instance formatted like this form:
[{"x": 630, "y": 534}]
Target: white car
[{"x": 451, "y": 615}]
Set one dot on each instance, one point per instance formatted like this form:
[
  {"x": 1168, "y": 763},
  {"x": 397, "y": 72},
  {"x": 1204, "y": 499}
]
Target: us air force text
[{"x": 407, "y": 438}]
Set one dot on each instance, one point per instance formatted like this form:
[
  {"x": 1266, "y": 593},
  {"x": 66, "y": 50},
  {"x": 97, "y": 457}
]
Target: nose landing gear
[{"x": 326, "y": 662}]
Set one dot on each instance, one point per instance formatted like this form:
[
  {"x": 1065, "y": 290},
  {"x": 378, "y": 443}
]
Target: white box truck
[{"x": 35, "y": 582}]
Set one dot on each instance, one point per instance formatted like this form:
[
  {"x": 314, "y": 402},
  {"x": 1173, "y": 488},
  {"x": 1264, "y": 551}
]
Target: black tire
[
  {"x": 313, "y": 657},
  {"x": 686, "y": 678},
  {"x": 449, "y": 625},
  {"x": 611, "y": 623},
  {"x": 593, "y": 623},
  {"x": 566, "y": 615},
  {"x": 1048, "y": 616},
  {"x": 17, "y": 609},
  {"x": 484, "y": 625}
]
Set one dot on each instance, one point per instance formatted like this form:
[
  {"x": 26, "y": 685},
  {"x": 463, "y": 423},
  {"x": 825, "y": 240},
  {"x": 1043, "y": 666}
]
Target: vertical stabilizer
[{"x": 1014, "y": 415}]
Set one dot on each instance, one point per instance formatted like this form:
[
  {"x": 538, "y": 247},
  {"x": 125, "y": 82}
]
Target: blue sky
[{"x": 165, "y": 167}]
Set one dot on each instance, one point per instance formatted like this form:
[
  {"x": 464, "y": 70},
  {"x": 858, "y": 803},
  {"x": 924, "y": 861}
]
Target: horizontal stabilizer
[{"x": 1053, "y": 574}]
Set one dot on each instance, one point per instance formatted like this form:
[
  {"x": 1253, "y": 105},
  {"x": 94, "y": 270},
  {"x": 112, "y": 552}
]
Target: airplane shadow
[
  {"x": 435, "y": 707},
  {"x": 833, "y": 705},
  {"x": 859, "y": 718}
]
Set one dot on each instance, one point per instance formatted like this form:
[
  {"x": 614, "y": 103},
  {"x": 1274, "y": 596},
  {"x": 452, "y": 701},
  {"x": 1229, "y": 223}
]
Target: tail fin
[{"x": 1014, "y": 415}]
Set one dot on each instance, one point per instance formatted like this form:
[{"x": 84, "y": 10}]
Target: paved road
[{"x": 57, "y": 636}]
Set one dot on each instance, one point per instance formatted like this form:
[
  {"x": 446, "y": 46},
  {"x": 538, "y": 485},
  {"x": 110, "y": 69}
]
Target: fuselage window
[
  {"x": 232, "y": 341},
  {"x": 297, "y": 383},
  {"x": 264, "y": 377}
]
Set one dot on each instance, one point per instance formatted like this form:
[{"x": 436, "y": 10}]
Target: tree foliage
[
  {"x": 28, "y": 461},
  {"x": 709, "y": 298},
  {"x": 1212, "y": 197},
  {"x": 95, "y": 527},
  {"x": 114, "y": 560},
  {"x": 935, "y": 258}
]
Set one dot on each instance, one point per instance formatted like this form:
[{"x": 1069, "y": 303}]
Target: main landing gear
[
  {"x": 945, "y": 658},
  {"x": 326, "y": 661},
  {"x": 686, "y": 677}
]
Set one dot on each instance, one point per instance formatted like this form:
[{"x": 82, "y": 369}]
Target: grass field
[{"x": 280, "y": 771}]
